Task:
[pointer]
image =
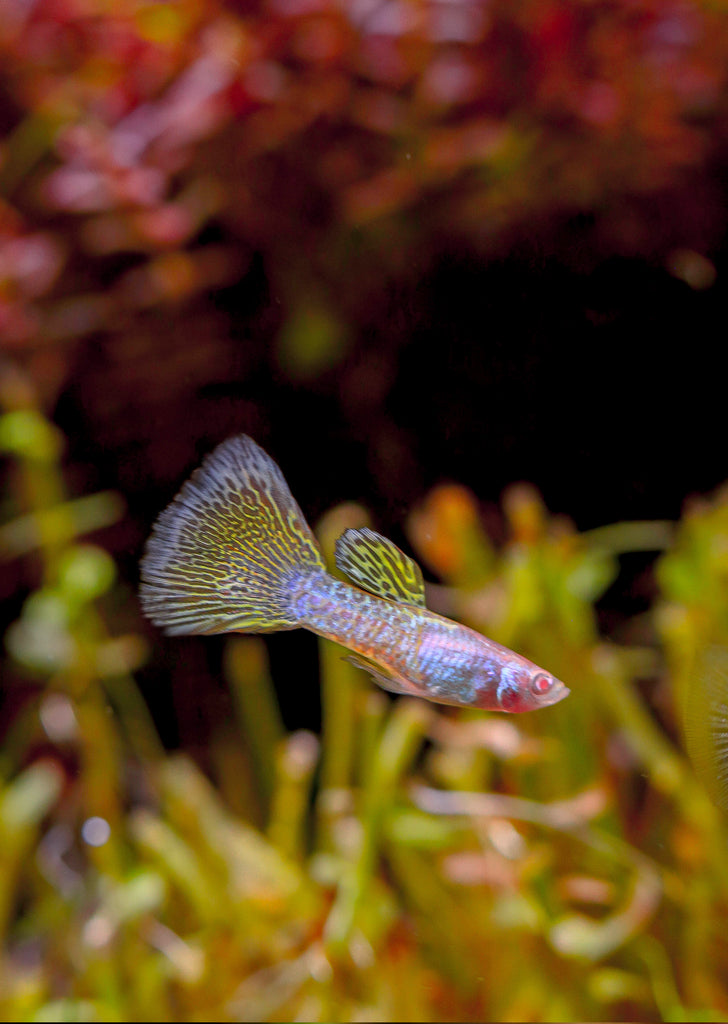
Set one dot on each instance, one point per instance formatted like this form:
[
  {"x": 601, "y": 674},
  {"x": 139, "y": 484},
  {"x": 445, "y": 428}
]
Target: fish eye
[{"x": 541, "y": 684}]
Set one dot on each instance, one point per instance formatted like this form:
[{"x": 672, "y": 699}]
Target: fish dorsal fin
[{"x": 377, "y": 565}]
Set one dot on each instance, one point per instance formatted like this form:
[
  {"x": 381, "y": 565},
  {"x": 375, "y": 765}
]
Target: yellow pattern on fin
[
  {"x": 377, "y": 565},
  {"x": 223, "y": 554}
]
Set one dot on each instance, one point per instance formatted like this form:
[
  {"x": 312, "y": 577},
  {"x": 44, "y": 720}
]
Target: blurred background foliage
[{"x": 392, "y": 239}]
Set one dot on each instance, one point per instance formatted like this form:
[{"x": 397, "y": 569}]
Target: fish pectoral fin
[
  {"x": 377, "y": 565},
  {"x": 380, "y": 676}
]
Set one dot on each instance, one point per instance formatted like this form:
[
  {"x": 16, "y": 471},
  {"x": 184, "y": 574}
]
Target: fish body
[
  {"x": 412, "y": 650},
  {"x": 234, "y": 553}
]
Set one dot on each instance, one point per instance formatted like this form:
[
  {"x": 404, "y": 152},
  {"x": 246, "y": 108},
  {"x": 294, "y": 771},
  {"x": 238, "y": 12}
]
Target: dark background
[{"x": 604, "y": 389}]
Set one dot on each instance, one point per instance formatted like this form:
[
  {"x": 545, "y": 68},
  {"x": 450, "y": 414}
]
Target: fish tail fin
[{"x": 228, "y": 551}]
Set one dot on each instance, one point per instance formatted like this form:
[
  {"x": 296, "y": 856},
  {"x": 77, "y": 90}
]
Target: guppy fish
[{"x": 233, "y": 552}]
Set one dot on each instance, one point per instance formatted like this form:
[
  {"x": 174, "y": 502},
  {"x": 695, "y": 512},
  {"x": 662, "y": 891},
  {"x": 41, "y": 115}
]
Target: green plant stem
[
  {"x": 296, "y": 762},
  {"x": 340, "y": 686},
  {"x": 256, "y": 706},
  {"x": 400, "y": 740}
]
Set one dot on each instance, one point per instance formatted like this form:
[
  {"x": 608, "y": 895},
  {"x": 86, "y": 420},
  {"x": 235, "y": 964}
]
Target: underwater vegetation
[
  {"x": 413, "y": 862},
  {"x": 150, "y": 152},
  {"x": 212, "y": 211}
]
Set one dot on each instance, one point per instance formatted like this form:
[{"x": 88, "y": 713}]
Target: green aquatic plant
[{"x": 412, "y": 862}]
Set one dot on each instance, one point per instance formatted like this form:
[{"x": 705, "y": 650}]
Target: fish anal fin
[
  {"x": 377, "y": 565},
  {"x": 378, "y": 674}
]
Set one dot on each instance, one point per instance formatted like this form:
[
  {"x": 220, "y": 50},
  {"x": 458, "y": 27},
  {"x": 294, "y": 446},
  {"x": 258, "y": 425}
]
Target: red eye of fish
[{"x": 541, "y": 684}]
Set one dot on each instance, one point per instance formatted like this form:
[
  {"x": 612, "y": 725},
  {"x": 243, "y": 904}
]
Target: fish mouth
[{"x": 559, "y": 692}]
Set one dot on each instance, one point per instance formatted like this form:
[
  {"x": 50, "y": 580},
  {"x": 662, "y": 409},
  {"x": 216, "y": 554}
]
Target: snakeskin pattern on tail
[{"x": 225, "y": 554}]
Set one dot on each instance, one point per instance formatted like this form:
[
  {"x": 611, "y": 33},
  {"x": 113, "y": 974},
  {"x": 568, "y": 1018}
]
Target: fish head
[{"x": 524, "y": 686}]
